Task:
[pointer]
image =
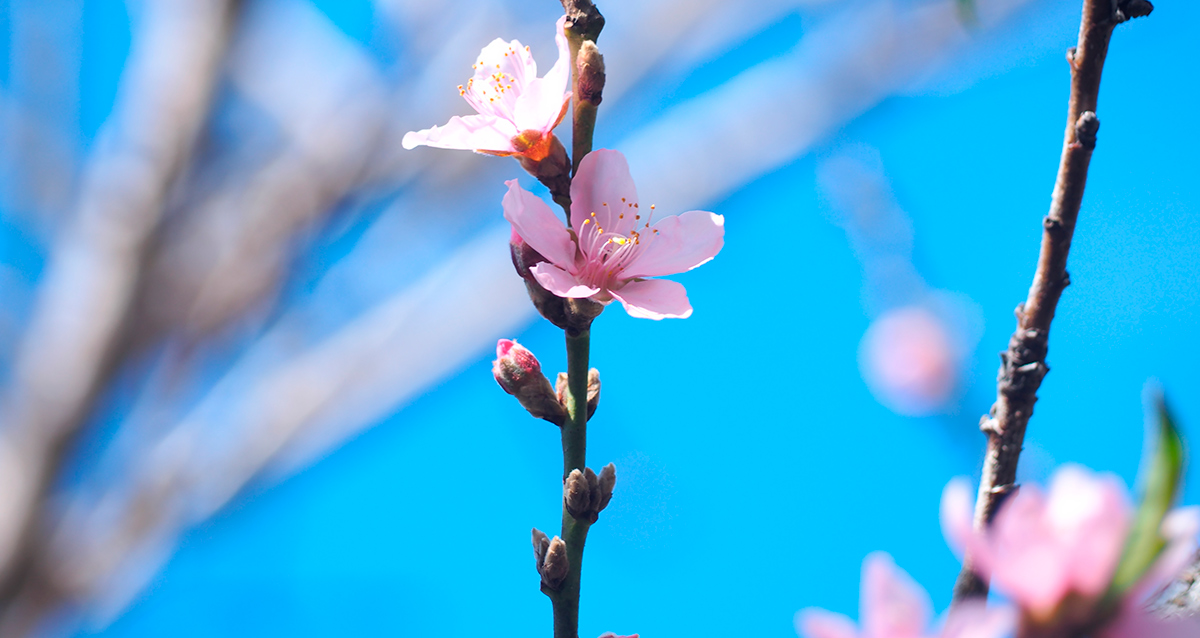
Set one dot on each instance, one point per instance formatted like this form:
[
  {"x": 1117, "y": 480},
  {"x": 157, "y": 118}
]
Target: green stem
[{"x": 574, "y": 443}]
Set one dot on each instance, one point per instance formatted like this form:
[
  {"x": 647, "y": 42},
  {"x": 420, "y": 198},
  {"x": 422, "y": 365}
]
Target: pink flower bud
[
  {"x": 519, "y": 374},
  {"x": 515, "y": 366}
]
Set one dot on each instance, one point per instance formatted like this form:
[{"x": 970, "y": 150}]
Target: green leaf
[{"x": 1159, "y": 479}]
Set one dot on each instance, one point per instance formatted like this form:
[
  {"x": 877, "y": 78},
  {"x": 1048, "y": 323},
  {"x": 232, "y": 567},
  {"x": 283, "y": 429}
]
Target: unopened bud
[
  {"x": 608, "y": 480},
  {"x": 519, "y": 374},
  {"x": 585, "y": 494},
  {"x": 593, "y": 390},
  {"x": 577, "y": 494},
  {"x": 541, "y": 545},
  {"x": 591, "y": 73},
  {"x": 555, "y": 566}
]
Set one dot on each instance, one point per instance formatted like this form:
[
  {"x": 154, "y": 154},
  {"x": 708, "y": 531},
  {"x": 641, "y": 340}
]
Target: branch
[
  {"x": 74, "y": 334},
  {"x": 1023, "y": 365}
]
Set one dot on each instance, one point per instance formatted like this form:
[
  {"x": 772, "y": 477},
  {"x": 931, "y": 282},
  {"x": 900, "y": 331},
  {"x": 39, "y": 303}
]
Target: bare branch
[{"x": 1023, "y": 364}]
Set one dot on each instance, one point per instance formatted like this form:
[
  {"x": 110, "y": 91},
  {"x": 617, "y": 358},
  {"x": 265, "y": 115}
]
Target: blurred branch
[
  {"x": 294, "y": 392},
  {"x": 71, "y": 343},
  {"x": 1023, "y": 365}
]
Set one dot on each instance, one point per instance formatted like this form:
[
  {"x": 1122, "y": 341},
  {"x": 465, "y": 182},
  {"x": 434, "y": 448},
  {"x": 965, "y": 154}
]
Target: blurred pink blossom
[
  {"x": 893, "y": 606},
  {"x": 909, "y": 360},
  {"x": 1043, "y": 546},
  {"x": 612, "y": 635},
  {"x": 516, "y": 109},
  {"x": 611, "y": 249}
]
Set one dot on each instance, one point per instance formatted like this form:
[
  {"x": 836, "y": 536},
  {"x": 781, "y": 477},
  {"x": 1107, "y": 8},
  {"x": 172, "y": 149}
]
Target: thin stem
[
  {"x": 574, "y": 443},
  {"x": 1023, "y": 364}
]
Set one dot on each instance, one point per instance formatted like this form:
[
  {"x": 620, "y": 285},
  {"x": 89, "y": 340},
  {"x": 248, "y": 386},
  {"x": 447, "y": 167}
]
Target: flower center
[{"x": 606, "y": 252}]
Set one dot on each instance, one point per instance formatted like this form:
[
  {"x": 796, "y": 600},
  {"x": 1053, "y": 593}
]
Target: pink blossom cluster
[
  {"x": 1052, "y": 554},
  {"x": 611, "y": 248}
]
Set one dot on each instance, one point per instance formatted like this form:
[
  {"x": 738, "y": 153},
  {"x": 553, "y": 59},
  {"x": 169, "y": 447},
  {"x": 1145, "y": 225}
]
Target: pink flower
[
  {"x": 613, "y": 248},
  {"x": 1042, "y": 547},
  {"x": 516, "y": 109},
  {"x": 893, "y": 606}
]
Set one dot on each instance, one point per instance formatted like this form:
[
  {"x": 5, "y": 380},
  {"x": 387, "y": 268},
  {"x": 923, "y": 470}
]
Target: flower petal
[
  {"x": 680, "y": 243},
  {"x": 654, "y": 299},
  {"x": 976, "y": 619},
  {"x": 540, "y": 107},
  {"x": 1090, "y": 517},
  {"x": 474, "y": 132},
  {"x": 537, "y": 224},
  {"x": 818, "y": 623},
  {"x": 541, "y": 103},
  {"x": 956, "y": 514},
  {"x": 603, "y": 186},
  {"x": 893, "y": 604},
  {"x": 561, "y": 282}
]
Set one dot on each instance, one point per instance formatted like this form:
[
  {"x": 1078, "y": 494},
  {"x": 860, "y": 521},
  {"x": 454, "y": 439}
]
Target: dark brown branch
[{"x": 1023, "y": 365}]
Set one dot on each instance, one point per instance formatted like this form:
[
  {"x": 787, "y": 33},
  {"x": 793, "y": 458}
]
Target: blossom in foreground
[
  {"x": 1046, "y": 548},
  {"x": 893, "y": 606},
  {"x": 612, "y": 248},
  {"x": 516, "y": 109}
]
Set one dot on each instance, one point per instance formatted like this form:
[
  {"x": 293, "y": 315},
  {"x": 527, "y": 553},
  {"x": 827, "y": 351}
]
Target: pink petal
[
  {"x": 1090, "y": 517},
  {"x": 541, "y": 103},
  {"x": 818, "y": 623},
  {"x": 474, "y": 132},
  {"x": 561, "y": 282},
  {"x": 603, "y": 186},
  {"x": 654, "y": 299},
  {"x": 956, "y": 514},
  {"x": 540, "y": 106},
  {"x": 537, "y": 224},
  {"x": 681, "y": 243},
  {"x": 893, "y": 605},
  {"x": 972, "y": 619},
  {"x": 1027, "y": 562}
]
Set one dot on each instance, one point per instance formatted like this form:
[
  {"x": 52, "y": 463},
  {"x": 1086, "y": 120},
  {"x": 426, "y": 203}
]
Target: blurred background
[{"x": 245, "y": 339}]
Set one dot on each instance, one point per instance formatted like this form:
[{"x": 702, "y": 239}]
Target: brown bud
[
  {"x": 585, "y": 494},
  {"x": 577, "y": 494},
  {"x": 541, "y": 545},
  {"x": 593, "y": 390},
  {"x": 555, "y": 566},
  {"x": 591, "y": 76},
  {"x": 608, "y": 480}
]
